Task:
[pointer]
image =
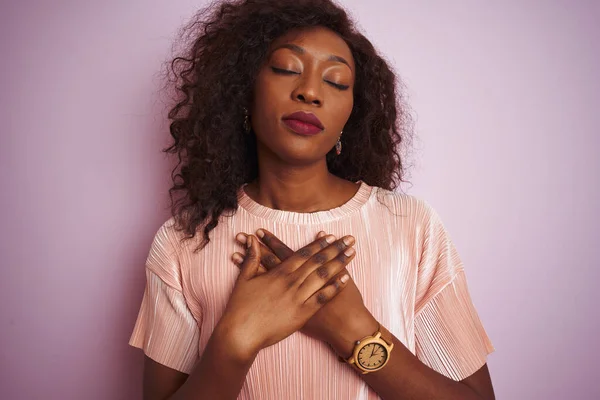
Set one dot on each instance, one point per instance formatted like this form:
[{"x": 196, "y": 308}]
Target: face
[{"x": 303, "y": 95}]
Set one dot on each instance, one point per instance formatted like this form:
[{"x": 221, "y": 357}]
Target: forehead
[{"x": 318, "y": 42}]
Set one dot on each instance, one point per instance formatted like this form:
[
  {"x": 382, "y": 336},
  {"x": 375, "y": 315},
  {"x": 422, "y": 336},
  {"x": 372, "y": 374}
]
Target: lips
[{"x": 303, "y": 123}]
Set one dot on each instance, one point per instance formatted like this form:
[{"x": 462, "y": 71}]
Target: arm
[
  {"x": 405, "y": 376},
  {"x": 169, "y": 334},
  {"x": 280, "y": 303},
  {"x": 219, "y": 374}
]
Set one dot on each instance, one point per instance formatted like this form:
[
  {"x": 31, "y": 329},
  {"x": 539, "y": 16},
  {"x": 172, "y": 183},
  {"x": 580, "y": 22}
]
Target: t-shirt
[{"x": 406, "y": 267}]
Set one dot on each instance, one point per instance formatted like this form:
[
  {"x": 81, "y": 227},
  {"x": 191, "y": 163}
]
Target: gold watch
[{"x": 371, "y": 353}]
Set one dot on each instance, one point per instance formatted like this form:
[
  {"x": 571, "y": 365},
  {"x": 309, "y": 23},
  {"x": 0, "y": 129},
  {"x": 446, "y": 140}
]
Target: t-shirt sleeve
[
  {"x": 166, "y": 329},
  {"x": 449, "y": 335}
]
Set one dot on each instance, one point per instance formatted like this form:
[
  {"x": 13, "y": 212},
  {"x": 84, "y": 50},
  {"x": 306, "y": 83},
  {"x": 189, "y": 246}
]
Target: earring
[
  {"x": 247, "y": 125},
  {"x": 338, "y": 145}
]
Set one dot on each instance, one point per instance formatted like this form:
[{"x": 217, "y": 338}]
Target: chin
[{"x": 294, "y": 149}]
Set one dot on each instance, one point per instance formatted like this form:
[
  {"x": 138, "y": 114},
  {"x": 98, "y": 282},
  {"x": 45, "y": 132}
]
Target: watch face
[{"x": 372, "y": 356}]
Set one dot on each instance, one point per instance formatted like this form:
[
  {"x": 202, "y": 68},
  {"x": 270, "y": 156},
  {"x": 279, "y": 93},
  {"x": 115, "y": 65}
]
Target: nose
[{"x": 308, "y": 91}]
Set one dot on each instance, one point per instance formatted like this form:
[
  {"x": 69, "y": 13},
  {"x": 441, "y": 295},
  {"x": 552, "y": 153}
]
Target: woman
[{"x": 290, "y": 269}]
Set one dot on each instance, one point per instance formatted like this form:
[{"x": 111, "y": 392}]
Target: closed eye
[
  {"x": 338, "y": 86},
  {"x": 284, "y": 71},
  {"x": 288, "y": 72}
]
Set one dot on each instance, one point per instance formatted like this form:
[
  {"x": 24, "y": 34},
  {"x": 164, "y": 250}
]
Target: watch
[{"x": 371, "y": 353}]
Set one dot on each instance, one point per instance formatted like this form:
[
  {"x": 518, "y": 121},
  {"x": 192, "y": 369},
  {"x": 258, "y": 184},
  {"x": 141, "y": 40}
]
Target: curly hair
[{"x": 214, "y": 78}]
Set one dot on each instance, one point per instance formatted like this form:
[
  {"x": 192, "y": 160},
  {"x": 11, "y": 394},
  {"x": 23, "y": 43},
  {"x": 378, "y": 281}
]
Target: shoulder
[
  {"x": 404, "y": 206},
  {"x": 164, "y": 254},
  {"x": 409, "y": 216},
  {"x": 167, "y": 237}
]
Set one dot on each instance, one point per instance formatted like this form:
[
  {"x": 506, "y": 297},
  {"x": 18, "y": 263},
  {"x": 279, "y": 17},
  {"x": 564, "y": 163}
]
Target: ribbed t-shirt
[{"x": 406, "y": 267}]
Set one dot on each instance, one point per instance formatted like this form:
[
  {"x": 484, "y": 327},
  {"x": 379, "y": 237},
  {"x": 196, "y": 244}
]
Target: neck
[{"x": 300, "y": 189}]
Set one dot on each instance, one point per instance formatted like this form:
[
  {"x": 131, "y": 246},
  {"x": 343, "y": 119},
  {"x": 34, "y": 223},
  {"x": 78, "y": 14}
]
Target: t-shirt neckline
[{"x": 360, "y": 198}]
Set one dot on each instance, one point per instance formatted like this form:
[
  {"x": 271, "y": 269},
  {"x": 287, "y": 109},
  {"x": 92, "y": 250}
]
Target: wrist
[
  {"x": 233, "y": 344},
  {"x": 357, "y": 327}
]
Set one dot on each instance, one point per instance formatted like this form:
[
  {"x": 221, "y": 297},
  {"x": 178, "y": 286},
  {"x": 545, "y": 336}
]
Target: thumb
[{"x": 252, "y": 260}]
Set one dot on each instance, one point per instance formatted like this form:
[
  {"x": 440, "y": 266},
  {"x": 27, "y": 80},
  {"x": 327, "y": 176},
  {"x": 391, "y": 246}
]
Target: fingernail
[
  {"x": 349, "y": 252},
  {"x": 260, "y": 233},
  {"x": 249, "y": 242},
  {"x": 330, "y": 239},
  {"x": 241, "y": 238},
  {"x": 345, "y": 278},
  {"x": 348, "y": 240},
  {"x": 321, "y": 234},
  {"x": 237, "y": 258}
]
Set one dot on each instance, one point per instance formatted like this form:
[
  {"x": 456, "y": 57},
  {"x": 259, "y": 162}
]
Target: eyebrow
[{"x": 297, "y": 49}]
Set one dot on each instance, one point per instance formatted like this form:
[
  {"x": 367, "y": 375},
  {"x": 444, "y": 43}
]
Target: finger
[
  {"x": 323, "y": 296},
  {"x": 238, "y": 259},
  {"x": 320, "y": 234},
  {"x": 280, "y": 249},
  {"x": 267, "y": 258},
  {"x": 298, "y": 258},
  {"x": 252, "y": 259},
  {"x": 319, "y": 276},
  {"x": 333, "y": 251}
]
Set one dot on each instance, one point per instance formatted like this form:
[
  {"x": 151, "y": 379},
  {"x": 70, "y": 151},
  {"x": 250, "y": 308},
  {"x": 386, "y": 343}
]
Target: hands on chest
[{"x": 280, "y": 291}]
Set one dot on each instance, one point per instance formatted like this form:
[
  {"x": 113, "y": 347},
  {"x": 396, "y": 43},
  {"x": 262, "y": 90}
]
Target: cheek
[
  {"x": 267, "y": 97},
  {"x": 348, "y": 105},
  {"x": 267, "y": 88},
  {"x": 259, "y": 91},
  {"x": 341, "y": 108},
  {"x": 260, "y": 101}
]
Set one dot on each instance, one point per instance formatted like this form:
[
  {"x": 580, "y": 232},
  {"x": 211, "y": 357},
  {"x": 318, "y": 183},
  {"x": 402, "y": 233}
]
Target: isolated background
[{"x": 507, "y": 99}]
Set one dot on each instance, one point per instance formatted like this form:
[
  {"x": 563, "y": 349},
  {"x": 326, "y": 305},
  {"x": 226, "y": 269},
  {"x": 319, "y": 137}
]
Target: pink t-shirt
[{"x": 406, "y": 268}]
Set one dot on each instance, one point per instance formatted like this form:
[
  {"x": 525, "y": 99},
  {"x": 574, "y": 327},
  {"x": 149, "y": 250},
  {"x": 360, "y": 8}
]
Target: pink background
[{"x": 508, "y": 104}]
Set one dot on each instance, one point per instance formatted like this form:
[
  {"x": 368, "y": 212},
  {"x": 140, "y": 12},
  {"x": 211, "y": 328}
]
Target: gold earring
[{"x": 338, "y": 145}]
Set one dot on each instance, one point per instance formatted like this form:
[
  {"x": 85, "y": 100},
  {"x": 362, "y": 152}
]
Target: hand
[
  {"x": 339, "y": 322},
  {"x": 265, "y": 308}
]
